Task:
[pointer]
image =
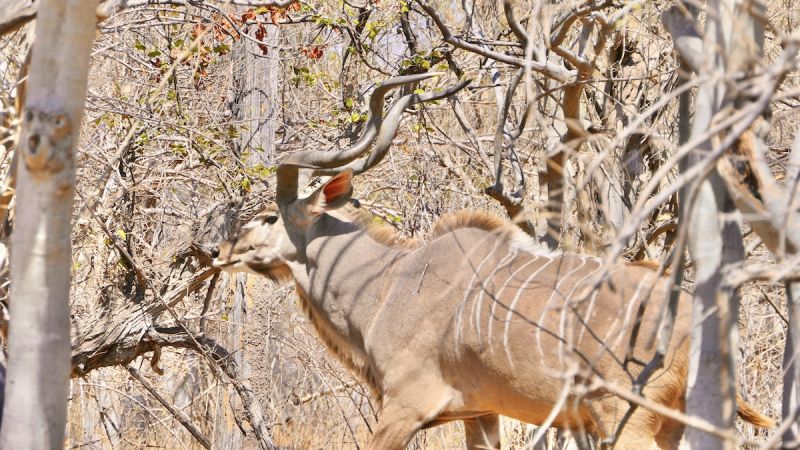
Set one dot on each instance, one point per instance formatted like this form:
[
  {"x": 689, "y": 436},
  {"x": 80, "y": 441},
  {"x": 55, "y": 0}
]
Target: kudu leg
[
  {"x": 483, "y": 432},
  {"x": 669, "y": 436},
  {"x": 397, "y": 424},
  {"x": 639, "y": 432}
]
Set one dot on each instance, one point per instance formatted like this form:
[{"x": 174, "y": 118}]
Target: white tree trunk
[
  {"x": 714, "y": 242},
  {"x": 791, "y": 370},
  {"x": 39, "y": 337}
]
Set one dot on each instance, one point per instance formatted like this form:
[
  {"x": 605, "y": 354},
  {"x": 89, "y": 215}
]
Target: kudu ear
[{"x": 333, "y": 194}]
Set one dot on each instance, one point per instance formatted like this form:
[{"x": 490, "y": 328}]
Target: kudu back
[{"x": 478, "y": 322}]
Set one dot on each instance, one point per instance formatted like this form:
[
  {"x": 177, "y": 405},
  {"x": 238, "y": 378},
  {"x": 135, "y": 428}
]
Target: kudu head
[
  {"x": 271, "y": 240},
  {"x": 277, "y": 236}
]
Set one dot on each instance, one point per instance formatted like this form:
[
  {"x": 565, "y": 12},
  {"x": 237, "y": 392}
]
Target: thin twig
[{"x": 178, "y": 414}]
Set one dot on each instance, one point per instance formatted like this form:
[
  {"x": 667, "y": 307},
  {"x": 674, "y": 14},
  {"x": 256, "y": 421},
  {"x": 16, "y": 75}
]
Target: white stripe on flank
[
  {"x": 514, "y": 304},
  {"x": 629, "y": 312},
  {"x": 499, "y": 294},
  {"x": 485, "y": 285},
  {"x": 468, "y": 290},
  {"x": 609, "y": 347},
  {"x": 549, "y": 301},
  {"x": 587, "y": 317},
  {"x": 562, "y": 330}
]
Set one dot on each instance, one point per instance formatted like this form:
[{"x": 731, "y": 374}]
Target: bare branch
[
  {"x": 178, "y": 414},
  {"x": 695, "y": 422},
  {"x": 548, "y": 69},
  {"x": 176, "y": 337},
  {"x": 512, "y": 202},
  {"x": 14, "y": 14},
  {"x": 685, "y": 37},
  {"x": 118, "y": 337},
  {"x": 515, "y": 26}
]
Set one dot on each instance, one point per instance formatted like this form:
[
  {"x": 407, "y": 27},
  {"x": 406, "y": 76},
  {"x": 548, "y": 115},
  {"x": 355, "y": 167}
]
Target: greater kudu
[{"x": 478, "y": 322}]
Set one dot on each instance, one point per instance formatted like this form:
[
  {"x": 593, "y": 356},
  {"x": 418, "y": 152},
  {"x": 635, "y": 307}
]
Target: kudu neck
[
  {"x": 344, "y": 251},
  {"x": 345, "y": 273}
]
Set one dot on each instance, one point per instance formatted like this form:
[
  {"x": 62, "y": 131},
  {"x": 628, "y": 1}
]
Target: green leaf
[
  {"x": 260, "y": 171},
  {"x": 348, "y": 102},
  {"x": 139, "y": 46},
  {"x": 154, "y": 53},
  {"x": 245, "y": 183},
  {"x": 121, "y": 234},
  {"x": 222, "y": 49},
  {"x": 419, "y": 91}
]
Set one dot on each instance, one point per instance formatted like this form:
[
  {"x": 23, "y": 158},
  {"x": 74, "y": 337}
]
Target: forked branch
[
  {"x": 515, "y": 26},
  {"x": 512, "y": 200}
]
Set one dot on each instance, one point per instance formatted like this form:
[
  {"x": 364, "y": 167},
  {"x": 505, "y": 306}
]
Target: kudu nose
[{"x": 215, "y": 251}]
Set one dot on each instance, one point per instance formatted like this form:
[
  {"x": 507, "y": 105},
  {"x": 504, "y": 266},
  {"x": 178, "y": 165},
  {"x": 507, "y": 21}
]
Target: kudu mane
[
  {"x": 468, "y": 218},
  {"x": 380, "y": 232},
  {"x": 506, "y": 232}
]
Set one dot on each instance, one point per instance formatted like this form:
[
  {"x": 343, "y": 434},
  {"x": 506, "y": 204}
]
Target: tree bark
[
  {"x": 256, "y": 97},
  {"x": 39, "y": 333},
  {"x": 226, "y": 430},
  {"x": 791, "y": 369},
  {"x": 714, "y": 242}
]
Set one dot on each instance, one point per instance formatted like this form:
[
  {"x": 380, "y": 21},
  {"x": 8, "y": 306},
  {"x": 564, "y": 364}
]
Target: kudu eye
[{"x": 271, "y": 219}]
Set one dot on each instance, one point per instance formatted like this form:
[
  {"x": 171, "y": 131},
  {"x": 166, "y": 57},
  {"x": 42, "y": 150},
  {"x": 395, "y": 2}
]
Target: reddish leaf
[
  {"x": 249, "y": 15},
  {"x": 197, "y": 30},
  {"x": 261, "y": 32},
  {"x": 277, "y": 15},
  {"x": 313, "y": 52}
]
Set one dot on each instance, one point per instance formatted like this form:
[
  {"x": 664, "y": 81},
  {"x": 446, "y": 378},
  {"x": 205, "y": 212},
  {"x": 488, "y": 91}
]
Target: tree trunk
[
  {"x": 256, "y": 106},
  {"x": 255, "y": 97},
  {"x": 791, "y": 369},
  {"x": 227, "y": 433},
  {"x": 714, "y": 242},
  {"x": 39, "y": 334}
]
